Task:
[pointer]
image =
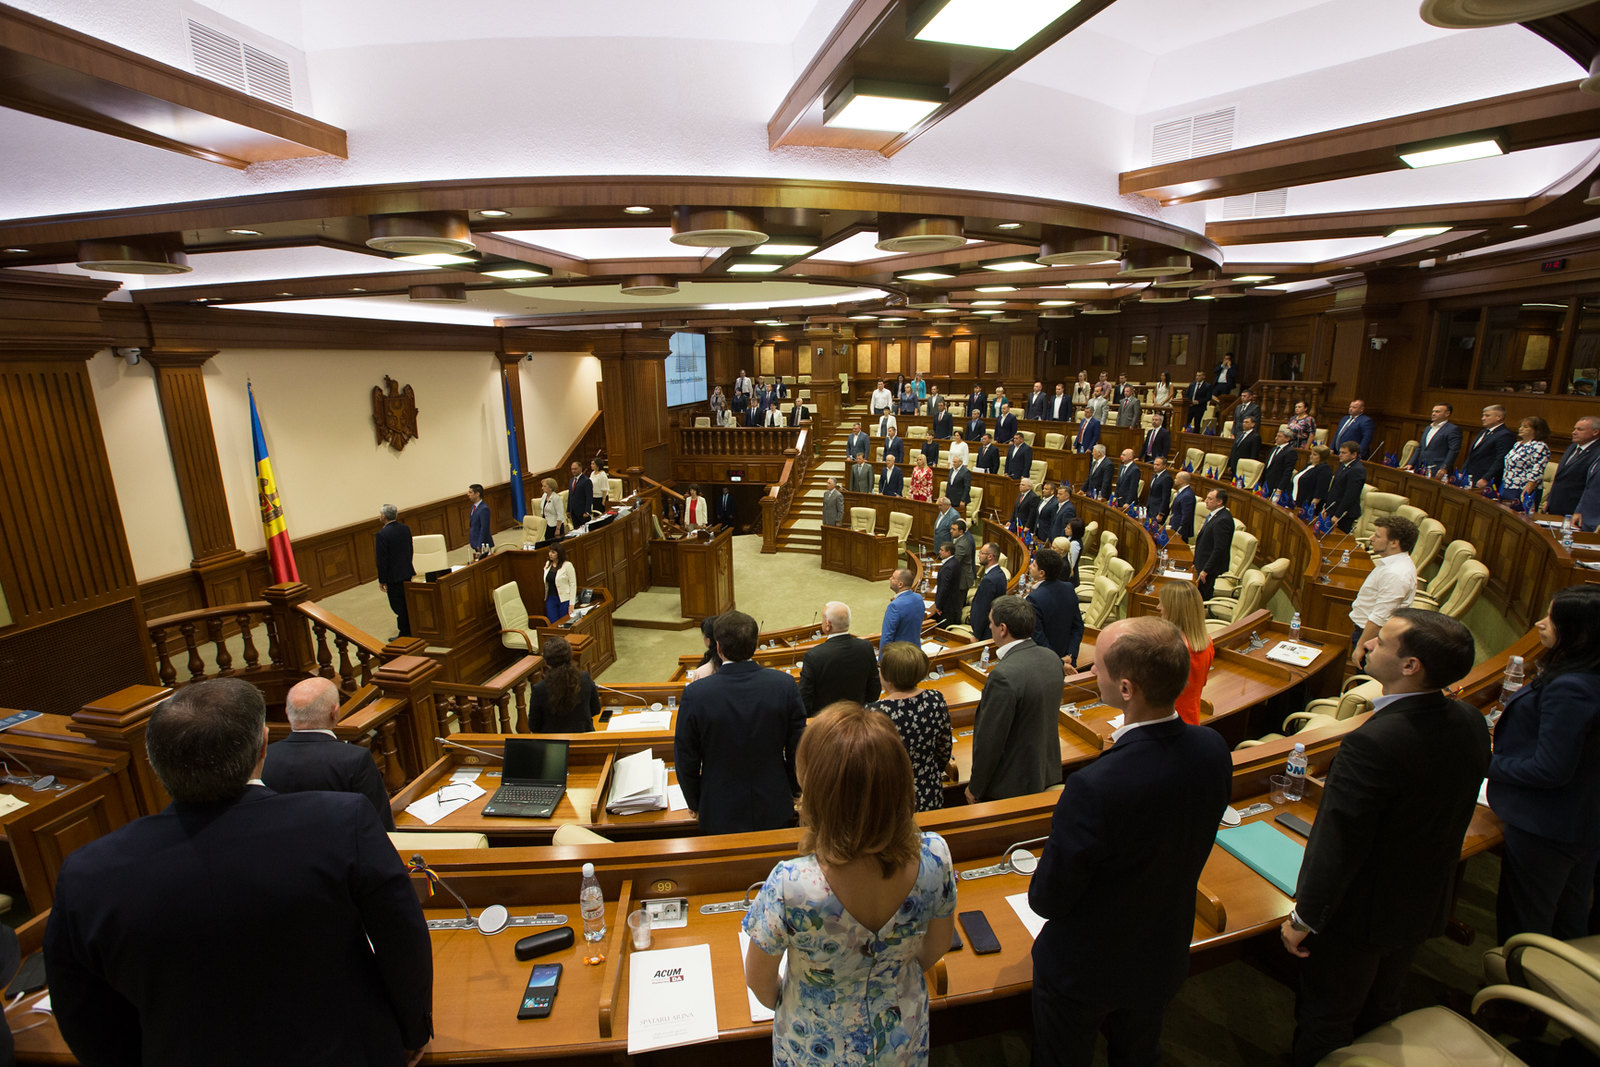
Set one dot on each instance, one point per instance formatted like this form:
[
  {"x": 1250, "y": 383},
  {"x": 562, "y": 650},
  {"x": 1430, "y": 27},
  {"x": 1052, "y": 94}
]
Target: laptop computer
[{"x": 533, "y": 780}]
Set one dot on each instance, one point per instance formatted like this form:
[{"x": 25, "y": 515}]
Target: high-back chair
[
  {"x": 429, "y": 554},
  {"x": 1375, "y": 504},
  {"x": 1411, "y": 512},
  {"x": 1241, "y": 554},
  {"x": 1549, "y": 479},
  {"x": 1036, "y": 472},
  {"x": 1321, "y": 436},
  {"x": 916, "y": 433},
  {"x": 974, "y": 504},
  {"x": 1360, "y": 691},
  {"x": 1214, "y": 462},
  {"x": 1120, "y": 571},
  {"x": 533, "y": 528},
  {"x": 1225, "y": 610},
  {"x": 1407, "y": 450},
  {"x": 1438, "y": 588},
  {"x": 1250, "y": 470},
  {"x": 516, "y": 625},
  {"x": 864, "y": 520},
  {"x": 1026, "y": 435},
  {"x": 1274, "y": 574},
  {"x": 1102, "y": 603},
  {"x": 1055, "y": 440},
  {"x": 702, "y": 422},
  {"x": 1196, "y": 459},
  {"x": 899, "y": 527},
  {"x": 1107, "y": 549},
  {"x": 1474, "y": 576},
  {"x": 1430, "y": 535}
]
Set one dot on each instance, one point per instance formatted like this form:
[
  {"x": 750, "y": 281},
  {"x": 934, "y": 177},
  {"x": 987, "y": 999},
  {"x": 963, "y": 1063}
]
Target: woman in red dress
[{"x": 921, "y": 479}]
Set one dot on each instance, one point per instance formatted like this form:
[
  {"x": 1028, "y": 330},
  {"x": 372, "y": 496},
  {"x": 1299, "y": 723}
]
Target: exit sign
[{"x": 1553, "y": 264}]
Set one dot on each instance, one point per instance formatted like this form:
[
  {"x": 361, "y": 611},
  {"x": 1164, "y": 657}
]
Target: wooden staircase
[{"x": 802, "y": 530}]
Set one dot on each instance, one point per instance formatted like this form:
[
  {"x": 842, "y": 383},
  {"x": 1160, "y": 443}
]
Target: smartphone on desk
[{"x": 540, "y": 996}]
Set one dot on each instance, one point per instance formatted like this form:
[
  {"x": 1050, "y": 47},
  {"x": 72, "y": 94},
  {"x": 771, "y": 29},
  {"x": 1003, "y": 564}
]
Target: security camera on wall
[
  {"x": 1378, "y": 342},
  {"x": 130, "y": 355}
]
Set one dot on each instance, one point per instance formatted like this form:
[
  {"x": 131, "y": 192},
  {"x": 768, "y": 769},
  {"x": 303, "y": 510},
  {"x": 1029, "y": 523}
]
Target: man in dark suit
[
  {"x": 1026, "y": 511},
  {"x": 479, "y": 539},
  {"x": 1005, "y": 427},
  {"x": 966, "y": 553},
  {"x": 1180, "y": 520},
  {"x": 724, "y": 509},
  {"x": 175, "y": 936},
  {"x": 858, "y": 443},
  {"x": 798, "y": 414},
  {"x": 976, "y": 402},
  {"x": 991, "y": 584},
  {"x": 1157, "y": 439},
  {"x": 942, "y": 521},
  {"x": 580, "y": 497},
  {"x": 1020, "y": 461},
  {"x": 1127, "y": 485},
  {"x": 1158, "y": 496},
  {"x": 949, "y": 590},
  {"x": 1247, "y": 445},
  {"x": 895, "y": 445},
  {"x": 1055, "y": 603},
  {"x": 1098, "y": 483},
  {"x": 393, "y": 551},
  {"x": 1356, "y": 426},
  {"x": 1130, "y": 834},
  {"x": 891, "y": 482},
  {"x": 959, "y": 487},
  {"x": 1439, "y": 444},
  {"x": 841, "y": 667},
  {"x": 1064, "y": 512},
  {"x": 1486, "y": 457},
  {"x": 1279, "y": 471},
  {"x": 312, "y": 757},
  {"x": 1225, "y": 377},
  {"x": 943, "y": 423},
  {"x": 1047, "y": 512},
  {"x": 737, "y": 733},
  {"x": 832, "y": 504},
  {"x": 1016, "y": 746},
  {"x": 1246, "y": 408},
  {"x": 974, "y": 428},
  {"x": 1060, "y": 405},
  {"x": 1573, "y": 470},
  {"x": 1036, "y": 402},
  {"x": 1214, "y": 543},
  {"x": 988, "y": 458},
  {"x": 1344, "y": 493},
  {"x": 1088, "y": 434},
  {"x": 861, "y": 475},
  {"x": 1198, "y": 394},
  {"x": 1379, "y": 870},
  {"x": 1587, "y": 517}
]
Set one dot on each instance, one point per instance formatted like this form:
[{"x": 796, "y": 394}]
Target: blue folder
[{"x": 1271, "y": 854}]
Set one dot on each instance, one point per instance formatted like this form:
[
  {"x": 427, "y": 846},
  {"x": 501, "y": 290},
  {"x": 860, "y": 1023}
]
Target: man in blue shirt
[{"x": 902, "y": 619}]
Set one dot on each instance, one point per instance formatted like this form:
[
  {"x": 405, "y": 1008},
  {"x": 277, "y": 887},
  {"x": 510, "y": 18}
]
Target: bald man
[
  {"x": 311, "y": 757},
  {"x": 841, "y": 667}
]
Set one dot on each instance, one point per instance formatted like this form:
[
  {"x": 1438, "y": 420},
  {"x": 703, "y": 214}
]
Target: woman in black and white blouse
[{"x": 921, "y": 716}]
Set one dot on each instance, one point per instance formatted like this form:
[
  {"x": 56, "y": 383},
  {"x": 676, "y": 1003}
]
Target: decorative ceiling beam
[
  {"x": 1555, "y": 114},
  {"x": 60, "y": 74},
  {"x": 1375, "y": 222}
]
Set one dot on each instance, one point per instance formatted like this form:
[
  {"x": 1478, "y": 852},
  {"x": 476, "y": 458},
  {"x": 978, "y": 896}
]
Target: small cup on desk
[
  {"x": 639, "y": 928},
  {"x": 1280, "y": 788}
]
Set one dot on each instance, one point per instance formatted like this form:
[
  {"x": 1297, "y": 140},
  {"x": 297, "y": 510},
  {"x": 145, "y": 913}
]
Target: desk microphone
[
  {"x": 493, "y": 919},
  {"x": 38, "y": 782},
  {"x": 622, "y": 692},
  {"x": 480, "y": 751}
]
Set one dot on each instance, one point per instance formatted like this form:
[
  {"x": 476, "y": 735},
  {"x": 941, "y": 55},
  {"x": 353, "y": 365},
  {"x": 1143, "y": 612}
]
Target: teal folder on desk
[{"x": 1271, "y": 854}]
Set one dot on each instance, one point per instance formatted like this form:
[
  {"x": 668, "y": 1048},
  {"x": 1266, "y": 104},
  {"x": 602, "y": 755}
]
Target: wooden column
[
  {"x": 633, "y": 392},
  {"x": 412, "y": 678},
  {"x": 186, "y": 414},
  {"x": 118, "y": 722}
]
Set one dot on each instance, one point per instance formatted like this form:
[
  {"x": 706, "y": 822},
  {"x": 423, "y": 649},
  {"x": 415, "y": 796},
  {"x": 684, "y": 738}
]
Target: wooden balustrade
[
  {"x": 737, "y": 440},
  {"x": 192, "y": 631},
  {"x": 780, "y": 496},
  {"x": 1277, "y": 399},
  {"x": 347, "y": 641},
  {"x": 500, "y": 705}
]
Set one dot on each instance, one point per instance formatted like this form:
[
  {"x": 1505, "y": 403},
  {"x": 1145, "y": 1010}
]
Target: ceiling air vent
[
  {"x": 1193, "y": 135},
  {"x": 1267, "y": 203},
  {"x": 240, "y": 65}
]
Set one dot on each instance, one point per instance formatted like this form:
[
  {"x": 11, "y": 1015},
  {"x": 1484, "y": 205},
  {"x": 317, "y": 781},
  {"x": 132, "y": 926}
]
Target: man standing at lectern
[{"x": 394, "y": 564}]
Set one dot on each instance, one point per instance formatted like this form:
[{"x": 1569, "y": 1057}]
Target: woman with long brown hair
[
  {"x": 862, "y": 914},
  {"x": 565, "y": 700}
]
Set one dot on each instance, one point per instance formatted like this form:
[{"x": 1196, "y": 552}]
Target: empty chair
[
  {"x": 1468, "y": 586},
  {"x": 516, "y": 625},
  {"x": 1321, "y": 436},
  {"x": 1412, "y": 512},
  {"x": 1213, "y": 463},
  {"x": 1274, "y": 574},
  {"x": 1091, "y": 537},
  {"x": 1036, "y": 473},
  {"x": 1359, "y": 692},
  {"x": 974, "y": 503},
  {"x": 1224, "y": 610},
  {"x": 1106, "y": 550},
  {"x": 1406, "y": 451},
  {"x": 864, "y": 520},
  {"x": 1438, "y": 588},
  {"x": 1374, "y": 504},
  {"x": 1102, "y": 603},
  {"x": 1549, "y": 480},
  {"x": 916, "y": 433},
  {"x": 1055, "y": 440},
  {"x": 429, "y": 554},
  {"x": 944, "y": 458},
  {"x": 533, "y": 528},
  {"x": 1250, "y": 470},
  {"x": 702, "y": 422},
  {"x": 1227, "y": 429},
  {"x": 1120, "y": 571},
  {"x": 1241, "y": 554},
  {"x": 1200, "y": 511},
  {"x": 1430, "y": 535},
  {"x": 1569, "y": 971},
  {"x": 1438, "y": 1037},
  {"x": 1195, "y": 459},
  {"x": 899, "y": 527}
]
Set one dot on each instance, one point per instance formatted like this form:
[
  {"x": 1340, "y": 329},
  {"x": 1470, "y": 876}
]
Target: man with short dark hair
[
  {"x": 857, "y": 443},
  {"x": 966, "y": 550},
  {"x": 313, "y": 757},
  {"x": 1019, "y": 462},
  {"x": 1130, "y": 835},
  {"x": 1247, "y": 445},
  {"x": 943, "y": 422},
  {"x": 974, "y": 428},
  {"x": 1088, "y": 433},
  {"x": 861, "y": 474},
  {"x": 1439, "y": 444},
  {"x": 1214, "y": 544},
  {"x": 987, "y": 460},
  {"x": 1055, "y": 601},
  {"x": 949, "y": 590},
  {"x": 991, "y": 585},
  {"x": 1379, "y": 870},
  {"x": 1005, "y": 426},
  {"x": 1344, "y": 492},
  {"x": 737, "y": 733},
  {"x": 894, "y": 445},
  {"x": 1159, "y": 495},
  {"x": 902, "y": 619},
  {"x": 1036, "y": 402},
  {"x": 479, "y": 539},
  {"x": 1060, "y": 409},
  {"x": 393, "y": 551},
  {"x": 1391, "y": 584},
  {"x": 580, "y": 497},
  {"x": 1198, "y": 394},
  {"x": 1016, "y": 747},
  {"x": 1278, "y": 474},
  {"x": 1356, "y": 426},
  {"x": 173, "y": 939},
  {"x": 1486, "y": 458},
  {"x": 841, "y": 667},
  {"x": 1246, "y": 408},
  {"x": 1157, "y": 439}
]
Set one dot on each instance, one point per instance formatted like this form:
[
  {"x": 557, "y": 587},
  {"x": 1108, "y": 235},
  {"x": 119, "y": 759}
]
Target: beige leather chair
[
  {"x": 1195, "y": 458},
  {"x": 1224, "y": 610},
  {"x": 516, "y": 625},
  {"x": 1227, "y": 429},
  {"x": 1407, "y": 450},
  {"x": 429, "y": 554},
  {"x": 1438, "y": 588},
  {"x": 1036, "y": 473},
  {"x": 1429, "y": 1037},
  {"x": 1102, "y": 603},
  {"x": 1549, "y": 479},
  {"x": 1320, "y": 437},
  {"x": 974, "y": 508},
  {"x": 1412, "y": 512},
  {"x": 1026, "y": 435},
  {"x": 1374, "y": 504},
  {"x": 944, "y": 458},
  {"x": 863, "y": 520},
  {"x": 1091, "y": 538},
  {"x": 1360, "y": 691},
  {"x": 571, "y": 833},
  {"x": 916, "y": 433},
  {"x": 1055, "y": 440},
  {"x": 1214, "y": 462},
  {"x": 1120, "y": 571},
  {"x": 1200, "y": 512},
  {"x": 1474, "y": 576},
  {"x": 702, "y": 422},
  {"x": 1430, "y": 535},
  {"x": 1250, "y": 470},
  {"x": 1106, "y": 550},
  {"x": 407, "y": 842},
  {"x": 533, "y": 527},
  {"x": 1274, "y": 574},
  {"x": 1241, "y": 554},
  {"x": 1568, "y": 971},
  {"x": 899, "y": 527},
  {"x": 564, "y": 493}
]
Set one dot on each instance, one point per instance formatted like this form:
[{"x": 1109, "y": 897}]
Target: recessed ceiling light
[
  {"x": 989, "y": 311},
  {"x": 1013, "y": 265},
  {"x": 1204, "y": 296},
  {"x": 987, "y": 303},
  {"x": 637, "y": 209},
  {"x": 1408, "y": 233},
  {"x": 775, "y": 248},
  {"x": 284, "y": 294},
  {"x": 1056, "y": 303},
  {"x": 17, "y": 251},
  {"x": 769, "y": 322},
  {"x": 1518, "y": 226},
  {"x": 1008, "y": 226},
  {"x": 516, "y": 274},
  {"x": 892, "y": 318},
  {"x": 436, "y": 259},
  {"x": 942, "y": 311},
  {"x": 1456, "y": 150},
  {"x": 494, "y": 212},
  {"x": 889, "y": 107},
  {"x": 1080, "y": 285},
  {"x": 753, "y": 268},
  {"x": 1252, "y": 278},
  {"x": 984, "y": 24},
  {"x": 996, "y": 289},
  {"x": 925, "y": 276},
  {"x": 863, "y": 318},
  {"x": 358, "y": 290},
  {"x": 246, "y": 233}
]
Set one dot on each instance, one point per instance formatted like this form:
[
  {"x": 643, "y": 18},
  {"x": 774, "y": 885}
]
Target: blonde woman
[
  {"x": 1181, "y": 605},
  {"x": 921, "y": 478},
  {"x": 550, "y": 508}
]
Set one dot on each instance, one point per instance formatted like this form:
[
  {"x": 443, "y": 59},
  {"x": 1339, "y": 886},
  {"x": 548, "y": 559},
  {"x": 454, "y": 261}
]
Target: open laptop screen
[{"x": 528, "y": 759}]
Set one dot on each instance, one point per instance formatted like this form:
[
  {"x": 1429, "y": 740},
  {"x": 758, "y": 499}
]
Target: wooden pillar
[
  {"x": 412, "y": 678},
  {"x": 186, "y": 414},
  {"x": 118, "y": 722},
  {"x": 510, "y": 366},
  {"x": 295, "y": 651},
  {"x": 633, "y": 393}
]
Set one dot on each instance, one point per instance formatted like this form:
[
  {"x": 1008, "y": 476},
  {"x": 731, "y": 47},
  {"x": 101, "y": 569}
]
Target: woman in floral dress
[
  {"x": 1524, "y": 470},
  {"x": 1302, "y": 428},
  {"x": 867, "y": 908},
  {"x": 921, "y": 478}
]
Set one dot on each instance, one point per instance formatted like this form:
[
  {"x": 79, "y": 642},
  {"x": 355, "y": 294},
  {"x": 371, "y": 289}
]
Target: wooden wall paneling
[
  {"x": 961, "y": 355},
  {"x": 1019, "y": 361},
  {"x": 991, "y": 357},
  {"x": 44, "y": 835},
  {"x": 924, "y": 357},
  {"x": 633, "y": 380},
  {"x": 767, "y": 359},
  {"x": 864, "y": 365},
  {"x": 891, "y": 357}
]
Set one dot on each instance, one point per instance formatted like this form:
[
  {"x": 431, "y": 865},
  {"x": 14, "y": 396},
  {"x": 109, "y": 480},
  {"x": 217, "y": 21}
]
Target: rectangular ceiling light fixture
[
  {"x": 924, "y": 276},
  {"x": 1452, "y": 150},
  {"x": 515, "y": 272},
  {"x": 753, "y": 268},
  {"x": 778, "y": 248},
  {"x": 878, "y": 105},
  {"x": 437, "y": 259},
  {"x": 1012, "y": 264},
  {"x": 984, "y": 23},
  {"x": 1408, "y": 233}
]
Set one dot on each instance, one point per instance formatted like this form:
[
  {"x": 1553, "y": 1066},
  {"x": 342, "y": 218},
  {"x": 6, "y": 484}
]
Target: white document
[
  {"x": 9, "y": 803},
  {"x": 931, "y": 648},
  {"x": 675, "y": 800},
  {"x": 638, "y": 783},
  {"x": 1483, "y": 793},
  {"x": 1115, "y": 722},
  {"x": 468, "y": 774},
  {"x": 1185, "y": 575},
  {"x": 1030, "y": 919},
  {"x": 431, "y": 808},
  {"x": 1290, "y": 652},
  {"x": 454, "y": 791},
  {"x": 671, "y": 998},
  {"x": 759, "y": 1012},
  {"x": 642, "y": 720}
]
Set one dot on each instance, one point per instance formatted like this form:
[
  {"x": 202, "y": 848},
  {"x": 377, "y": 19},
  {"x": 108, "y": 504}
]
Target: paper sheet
[
  {"x": 1184, "y": 575},
  {"x": 468, "y": 774},
  {"x": 675, "y": 801},
  {"x": 931, "y": 648},
  {"x": 642, "y": 720},
  {"x": 1483, "y": 793},
  {"x": 430, "y": 809},
  {"x": 1030, "y": 918},
  {"x": 1290, "y": 652},
  {"x": 671, "y": 998},
  {"x": 759, "y": 1012}
]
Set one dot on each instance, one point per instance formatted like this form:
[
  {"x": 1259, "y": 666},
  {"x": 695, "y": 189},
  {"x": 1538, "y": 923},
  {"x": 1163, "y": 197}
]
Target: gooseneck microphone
[{"x": 480, "y": 751}]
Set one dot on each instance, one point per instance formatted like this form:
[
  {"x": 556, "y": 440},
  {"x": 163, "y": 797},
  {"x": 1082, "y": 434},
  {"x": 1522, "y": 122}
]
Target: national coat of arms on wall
[{"x": 394, "y": 414}]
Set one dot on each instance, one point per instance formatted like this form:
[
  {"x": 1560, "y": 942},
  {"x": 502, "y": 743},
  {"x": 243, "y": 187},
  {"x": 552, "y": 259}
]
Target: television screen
[{"x": 686, "y": 369}]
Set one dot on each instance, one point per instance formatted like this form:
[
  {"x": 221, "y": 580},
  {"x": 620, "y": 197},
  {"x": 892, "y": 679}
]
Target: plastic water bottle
[
  {"x": 1294, "y": 628},
  {"x": 1296, "y": 770},
  {"x": 983, "y": 660},
  {"x": 1566, "y": 532},
  {"x": 1510, "y": 682},
  {"x": 1344, "y": 558},
  {"x": 592, "y": 903}
]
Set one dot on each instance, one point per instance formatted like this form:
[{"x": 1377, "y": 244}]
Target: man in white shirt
[
  {"x": 1391, "y": 585},
  {"x": 1060, "y": 405},
  {"x": 742, "y": 384},
  {"x": 882, "y": 400}
]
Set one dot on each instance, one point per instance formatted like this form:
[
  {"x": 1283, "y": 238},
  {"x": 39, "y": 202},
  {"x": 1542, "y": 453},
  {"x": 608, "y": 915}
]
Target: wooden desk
[
  {"x": 701, "y": 567},
  {"x": 873, "y": 557}
]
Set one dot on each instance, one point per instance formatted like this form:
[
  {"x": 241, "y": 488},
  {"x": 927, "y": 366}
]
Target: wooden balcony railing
[
  {"x": 737, "y": 440},
  {"x": 194, "y": 630},
  {"x": 775, "y": 504},
  {"x": 359, "y": 652},
  {"x": 500, "y": 705}
]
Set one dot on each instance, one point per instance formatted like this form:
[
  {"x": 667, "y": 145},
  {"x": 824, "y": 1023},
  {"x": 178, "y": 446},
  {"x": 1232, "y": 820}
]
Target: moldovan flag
[{"x": 280, "y": 556}]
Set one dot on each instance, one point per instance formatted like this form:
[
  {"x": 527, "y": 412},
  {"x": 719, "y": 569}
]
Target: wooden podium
[
  {"x": 701, "y": 568},
  {"x": 865, "y": 555}
]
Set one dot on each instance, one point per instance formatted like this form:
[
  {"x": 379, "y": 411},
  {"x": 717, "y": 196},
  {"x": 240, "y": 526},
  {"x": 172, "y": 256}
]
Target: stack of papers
[
  {"x": 640, "y": 720},
  {"x": 638, "y": 783},
  {"x": 671, "y": 998},
  {"x": 1185, "y": 575},
  {"x": 1289, "y": 652},
  {"x": 455, "y": 794}
]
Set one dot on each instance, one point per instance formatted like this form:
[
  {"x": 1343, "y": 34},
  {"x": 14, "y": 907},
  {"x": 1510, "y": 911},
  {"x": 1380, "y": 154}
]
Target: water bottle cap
[
  {"x": 588, "y": 870},
  {"x": 1516, "y": 661},
  {"x": 1299, "y": 748}
]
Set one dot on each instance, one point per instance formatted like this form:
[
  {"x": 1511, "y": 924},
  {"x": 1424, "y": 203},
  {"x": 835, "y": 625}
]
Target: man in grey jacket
[
  {"x": 861, "y": 480},
  {"x": 832, "y": 504},
  {"x": 1016, "y": 747}
]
